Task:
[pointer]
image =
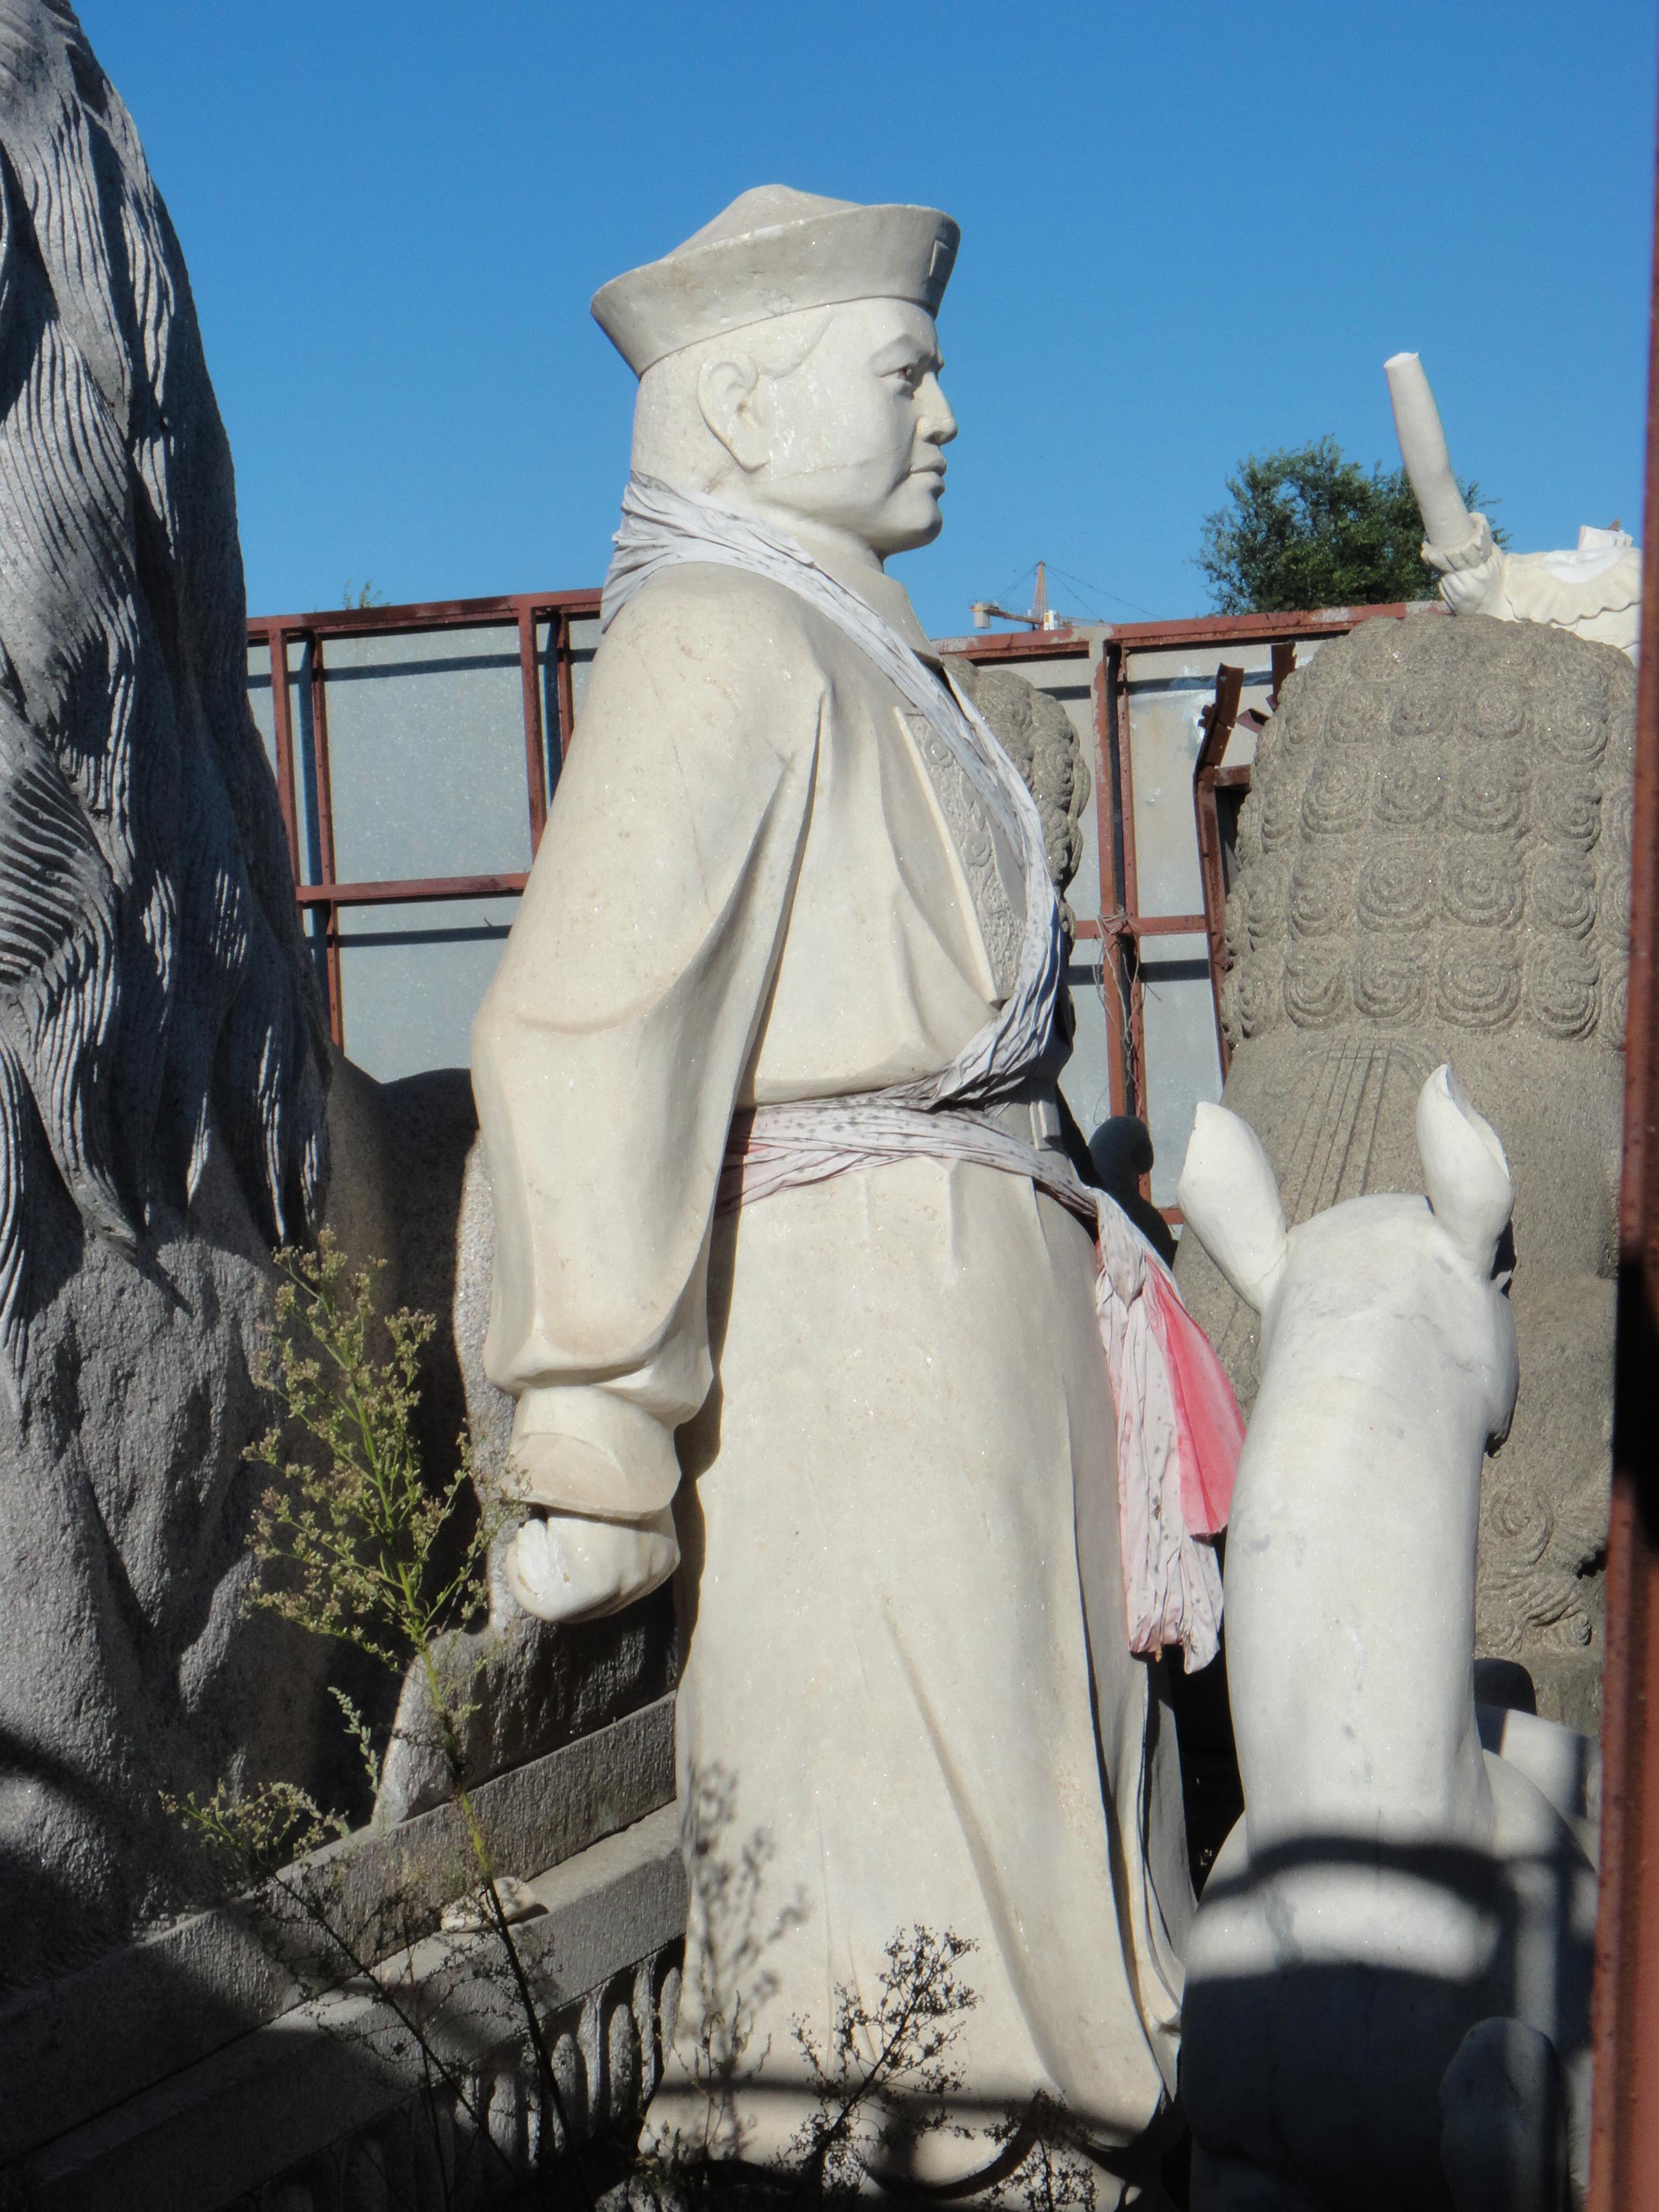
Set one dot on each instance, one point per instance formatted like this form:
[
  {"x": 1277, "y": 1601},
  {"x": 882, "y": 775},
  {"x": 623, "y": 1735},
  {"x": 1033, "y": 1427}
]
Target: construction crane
[{"x": 1039, "y": 616}]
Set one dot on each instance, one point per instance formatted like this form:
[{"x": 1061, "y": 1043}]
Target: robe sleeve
[{"x": 609, "y": 1052}]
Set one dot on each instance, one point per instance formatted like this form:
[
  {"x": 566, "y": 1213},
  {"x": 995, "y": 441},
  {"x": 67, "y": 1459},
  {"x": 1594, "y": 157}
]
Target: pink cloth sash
[{"x": 1179, "y": 1431}]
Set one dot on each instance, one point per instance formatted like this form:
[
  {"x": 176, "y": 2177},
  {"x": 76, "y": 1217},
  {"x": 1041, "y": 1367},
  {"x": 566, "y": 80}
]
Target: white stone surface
[
  {"x": 1595, "y": 589},
  {"x": 772, "y": 253},
  {"x": 1385, "y": 1865},
  {"x": 901, "y": 1491},
  {"x": 1560, "y": 1762}
]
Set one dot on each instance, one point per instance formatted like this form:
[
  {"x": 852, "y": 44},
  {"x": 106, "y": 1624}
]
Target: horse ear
[
  {"x": 1230, "y": 1196},
  {"x": 1464, "y": 1168}
]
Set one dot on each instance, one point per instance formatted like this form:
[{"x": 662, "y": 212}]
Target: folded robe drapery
[{"x": 1179, "y": 1430}]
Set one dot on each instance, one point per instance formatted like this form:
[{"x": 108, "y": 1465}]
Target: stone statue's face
[{"x": 850, "y": 439}]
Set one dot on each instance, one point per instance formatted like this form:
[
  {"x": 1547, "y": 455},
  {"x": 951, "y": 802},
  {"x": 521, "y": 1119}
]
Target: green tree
[{"x": 1307, "y": 527}]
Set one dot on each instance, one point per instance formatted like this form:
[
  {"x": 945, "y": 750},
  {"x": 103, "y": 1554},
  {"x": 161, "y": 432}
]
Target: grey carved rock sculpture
[
  {"x": 161, "y": 1098},
  {"x": 1035, "y": 733},
  {"x": 1435, "y": 865}
]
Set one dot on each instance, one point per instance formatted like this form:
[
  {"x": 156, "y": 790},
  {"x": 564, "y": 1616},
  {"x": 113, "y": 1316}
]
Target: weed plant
[{"x": 349, "y": 1543}]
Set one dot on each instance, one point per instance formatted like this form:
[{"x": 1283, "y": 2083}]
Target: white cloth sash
[{"x": 662, "y": 527}]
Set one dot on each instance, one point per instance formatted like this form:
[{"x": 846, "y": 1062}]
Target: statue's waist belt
[{"x": 774, "y": 1148}]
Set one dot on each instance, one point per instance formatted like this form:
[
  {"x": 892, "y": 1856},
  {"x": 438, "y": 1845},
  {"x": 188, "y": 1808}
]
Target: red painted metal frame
[
  {"x": 275, "y": 639},
  {"x": 1218, "y": 719},
  {"x": 1167, "y": 636},
  {"x": 323, "y": 784},
  {"x": 1120, "y": 926},
  {"x": 1625, "y": 2124},
  {"x": 324, "y": 896},
  {"x": 411, "y": 890},
  {"x": 1122, "y": 923}
]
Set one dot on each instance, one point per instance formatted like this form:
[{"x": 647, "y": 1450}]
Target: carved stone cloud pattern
[{"x": 1439, "y": 837}]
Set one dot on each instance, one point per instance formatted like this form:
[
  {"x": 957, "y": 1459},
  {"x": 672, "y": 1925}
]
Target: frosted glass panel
[
  {"x": 427, "y": 743},
  {"x": 1168, "y": 691},
  {"x": 258, "y": 696},
  {"x": 584, "y": 641},
  {"x": 412, "y": 978},
  {"x": 426, "y": 746},
  {"x": 1183, "y": 1066},
  {"x": 1086, "y": 1079}
]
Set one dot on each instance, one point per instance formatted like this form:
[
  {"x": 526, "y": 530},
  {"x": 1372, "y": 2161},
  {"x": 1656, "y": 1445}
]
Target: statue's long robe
[{"x": 907, "y": 1697}]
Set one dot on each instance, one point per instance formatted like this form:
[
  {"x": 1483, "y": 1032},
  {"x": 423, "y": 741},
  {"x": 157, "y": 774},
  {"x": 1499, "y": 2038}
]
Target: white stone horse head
[{"x": 1392, "y": 1889}]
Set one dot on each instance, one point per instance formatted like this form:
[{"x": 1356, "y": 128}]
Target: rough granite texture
[
  {"x": 1435, "y": 865},
  {"x": 1035, "y": 733},
  {"x": 161, "y": 1073}
]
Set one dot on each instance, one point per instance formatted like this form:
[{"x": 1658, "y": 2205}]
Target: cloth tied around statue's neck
[{"x": 1179, "y": 1431}]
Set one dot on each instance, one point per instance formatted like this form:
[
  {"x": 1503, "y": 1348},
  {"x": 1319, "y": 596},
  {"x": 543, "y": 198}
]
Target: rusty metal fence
[
  {"x": 295, "y": 662},
  {"x": 1158, "y": 707},
  {"x": 1166, "y": 703},
  {"x": 1625, "y": 2130}
]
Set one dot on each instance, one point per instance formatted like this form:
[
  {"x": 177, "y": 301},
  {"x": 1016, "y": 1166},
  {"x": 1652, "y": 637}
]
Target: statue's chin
[{"x": 917, "y": 521}]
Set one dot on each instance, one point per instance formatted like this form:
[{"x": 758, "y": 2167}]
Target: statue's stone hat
[{"x": 772, "y": 252}]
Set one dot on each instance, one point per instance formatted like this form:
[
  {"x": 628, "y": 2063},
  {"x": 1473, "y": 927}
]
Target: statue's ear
[
  {"x": 1464, "y": 1170},
  {"x": 729, "y": 396},
  {"x": 1230, "y": 1196}
]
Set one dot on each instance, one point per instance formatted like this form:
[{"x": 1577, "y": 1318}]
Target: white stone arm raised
[
  {"x": 1457, "y": 544},
  {"x": 1422, "y": 448},
  {"x": 610, "y": 1048}
]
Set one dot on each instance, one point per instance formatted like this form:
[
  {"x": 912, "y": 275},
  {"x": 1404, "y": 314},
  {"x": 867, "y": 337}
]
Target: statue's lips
[{"x": 930, "y": 470}]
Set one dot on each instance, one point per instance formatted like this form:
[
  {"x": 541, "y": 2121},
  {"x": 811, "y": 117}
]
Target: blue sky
[{"x": 1190, "y": 232}]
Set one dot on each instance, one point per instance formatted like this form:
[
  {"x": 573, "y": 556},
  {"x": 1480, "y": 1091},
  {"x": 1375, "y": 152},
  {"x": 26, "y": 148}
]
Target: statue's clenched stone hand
[
  {"x": 565, "y": 1567},
  {"x": 1471, "y": 575}
]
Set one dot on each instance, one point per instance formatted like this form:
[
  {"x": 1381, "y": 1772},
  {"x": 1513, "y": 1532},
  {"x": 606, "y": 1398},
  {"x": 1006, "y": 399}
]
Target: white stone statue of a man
[
  {"x": 794, "y": 1280},
  {"x": 1592, "y": 589}
]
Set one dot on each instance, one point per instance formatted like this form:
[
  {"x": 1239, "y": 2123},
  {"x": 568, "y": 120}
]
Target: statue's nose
[{"x": 938, "y": 424}]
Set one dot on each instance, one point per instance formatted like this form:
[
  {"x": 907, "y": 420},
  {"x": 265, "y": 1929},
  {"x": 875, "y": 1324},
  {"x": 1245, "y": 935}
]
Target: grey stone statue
[
  {"x": 1435, "y": 865},
  {"x": 161, "y": 1064},
  {"x": 1035, "y": 733}
]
